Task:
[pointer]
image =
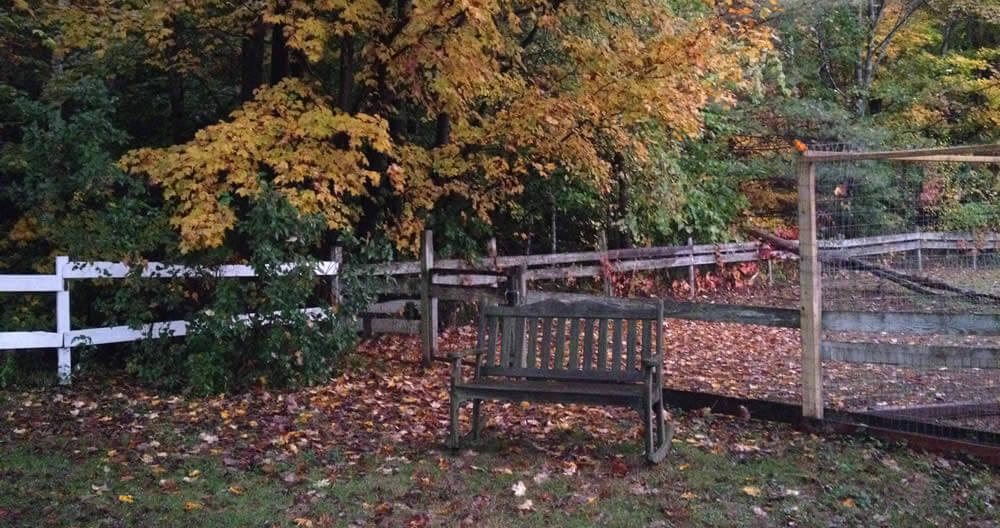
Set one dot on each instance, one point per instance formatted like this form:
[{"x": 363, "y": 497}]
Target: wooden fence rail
[
  {"x": 64, "y": 338},
  {"x": 492, "y": 279}
]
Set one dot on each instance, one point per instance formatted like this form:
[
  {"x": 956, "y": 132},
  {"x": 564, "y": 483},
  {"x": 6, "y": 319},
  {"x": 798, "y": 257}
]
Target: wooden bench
[{"x": 589, "y": 352}]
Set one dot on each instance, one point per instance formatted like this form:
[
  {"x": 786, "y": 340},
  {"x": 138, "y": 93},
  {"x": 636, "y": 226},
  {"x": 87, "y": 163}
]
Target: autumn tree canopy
[{"x": 373, "y": 113}]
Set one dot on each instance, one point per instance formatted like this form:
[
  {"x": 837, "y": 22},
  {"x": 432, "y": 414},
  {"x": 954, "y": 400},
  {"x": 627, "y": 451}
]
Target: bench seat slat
[
  {"x": 565, "y": 375},
  {"x": 532, "y": 341},
  {"x": 588, "y": 344},
  {"x": 545, "y": 353},
  {"x": 623, "y": 389},
  {"x": 574, "y": 344},
  {"x": 602, "y": 345},
  {"x": 560, "y": 343},
  {"x": 616, "y": 346},
  {"x": 609, "y": 308},
  {"x": 630, "y": 345}
]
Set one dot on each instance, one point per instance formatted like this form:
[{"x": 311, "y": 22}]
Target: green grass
[{"x": 805, "y": 481}]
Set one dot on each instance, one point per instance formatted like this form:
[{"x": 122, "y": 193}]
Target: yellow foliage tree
[{"x": 388, "y": 107}]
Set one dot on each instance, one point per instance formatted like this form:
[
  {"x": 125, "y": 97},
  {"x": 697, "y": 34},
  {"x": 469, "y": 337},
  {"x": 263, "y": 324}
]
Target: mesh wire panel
[{"x": 912, "y": 247}]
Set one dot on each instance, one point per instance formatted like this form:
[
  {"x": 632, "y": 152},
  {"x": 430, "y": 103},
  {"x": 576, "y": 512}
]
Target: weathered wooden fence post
[
  {"x": 65, "y": 359},
  {"x": 428, "y": 303},
  {"x": 606, "y": 279},
  {"x": 920, "y": 251},
  {"x": 692, "y": 274},
  {"x": 811, "y": 330},
  {"x": 336, "y": 255}
]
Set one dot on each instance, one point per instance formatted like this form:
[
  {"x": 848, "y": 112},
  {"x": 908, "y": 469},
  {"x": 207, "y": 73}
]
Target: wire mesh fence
[{"x": 917, "y": 241}]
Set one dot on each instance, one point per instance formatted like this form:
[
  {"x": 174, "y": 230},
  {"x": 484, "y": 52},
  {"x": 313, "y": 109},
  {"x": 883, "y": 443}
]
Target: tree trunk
[
  {"x": 252, "y": 61},
  {"x": 279, "y": 53},
  {"x": 345, "y": 84},
  {"x": 175, "y": 81}
]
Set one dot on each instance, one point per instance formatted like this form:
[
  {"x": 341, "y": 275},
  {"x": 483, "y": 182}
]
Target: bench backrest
[{"x": 578, "y": 340}]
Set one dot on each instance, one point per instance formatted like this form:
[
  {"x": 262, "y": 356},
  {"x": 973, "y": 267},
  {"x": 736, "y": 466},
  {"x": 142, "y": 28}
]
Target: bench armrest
[
  {"x": 653, "y": 361},
  {"x": 462, "y": 354}
]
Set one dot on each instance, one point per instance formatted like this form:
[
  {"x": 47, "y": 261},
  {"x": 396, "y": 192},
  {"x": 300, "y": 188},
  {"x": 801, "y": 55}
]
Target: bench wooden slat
[
  {"x": 605, "y": 308},
  {"x": 630, "y": 345},
  {"x": 588, "y": 344},
  {"x": 574, "y": 344},
  {"x": 616, "y": 346},
  {"x": 560, "y": 342},
  {"x": 647, "y": 339},
  {"x": 602, "y": 345},
  {"x": 494, "y": 333},
  {"x": 563, "y": 375},
  {"x": 546, "y": 342},
  {"x": 532, "y": 341}
]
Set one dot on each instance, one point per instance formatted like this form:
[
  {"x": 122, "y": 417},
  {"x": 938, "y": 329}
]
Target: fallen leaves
[
  {"x": 126, "y": 499},
  {"x": 752, "y": 491},
  {"x": 519, "y": 489}
]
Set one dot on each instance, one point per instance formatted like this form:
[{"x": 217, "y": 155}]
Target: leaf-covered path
[{"x": 365, "y": 450}]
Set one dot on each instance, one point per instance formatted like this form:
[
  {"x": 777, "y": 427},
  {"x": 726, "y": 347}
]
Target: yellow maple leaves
[
  {"x": 288, "y": 134},
  {"x": 520, "y": 93}
]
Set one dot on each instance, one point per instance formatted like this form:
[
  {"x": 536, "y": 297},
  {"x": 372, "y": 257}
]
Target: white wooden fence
[{"x": 64, "y": 338}]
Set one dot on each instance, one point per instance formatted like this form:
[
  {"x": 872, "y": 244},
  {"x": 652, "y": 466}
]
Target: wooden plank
[
  {"x": 602, "y": 344},
  {"x": 560, "y": 343},
  {"x": 29, "y": 340},
  {"x": 546, "y": 342},
  {"x": 574, "y": 344},
  {"x": 468, "y": 280},
  {"x": 647, "y": 339},
  {"x": 64, "y": 356},
  {"x": 588, "y": 344},
  {"x": 912, "y": 323},
  {"x": 117, "y": 270},
  {"x": 592, "y": 306},
  {"x": 923, "y": 356},
  {"x": 492, "y": 351},
  {"x": 397, "y": 306},
  {"x": 30, "y": 283},
  {"x": 616, "y": 346},
  {"x": 428, "y": 302},
  {"x": 568, "y": 375},
  {"x": 954, "y": 158},
  {"x": 464, "y": 293},
  {"x": 811, "y": 328},
  {"x": 395, "y": 326},
  {"x": 720, "y": 313},
  {"x": 883, "y": 249},
  {"x": 867, "y": 241},
  {"x": 630, "y": 344},
  {"x": 532, "y": 355},
  {"x": 508, "y": 347},
  {"x": 815, "y": 156}
]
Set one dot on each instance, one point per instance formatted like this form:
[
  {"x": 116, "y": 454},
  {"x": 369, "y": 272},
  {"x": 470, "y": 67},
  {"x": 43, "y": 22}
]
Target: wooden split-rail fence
[{"x": 417, "y": 287}]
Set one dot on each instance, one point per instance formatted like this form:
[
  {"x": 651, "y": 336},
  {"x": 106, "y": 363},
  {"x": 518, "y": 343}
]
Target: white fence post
[{"x": 62, "y": 323}]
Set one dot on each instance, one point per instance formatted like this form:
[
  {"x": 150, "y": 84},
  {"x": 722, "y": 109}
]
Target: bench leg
[
  {"x": 475, "y": 418},
  {"x": 647, "y": 429},
  {"x": 456, "y": 404},
  {"x": 664, "y": 434}
]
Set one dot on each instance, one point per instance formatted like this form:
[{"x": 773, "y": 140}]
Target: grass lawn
[
  {"x": 365, "y": 450},
  {"x": 770, "y": 476}
]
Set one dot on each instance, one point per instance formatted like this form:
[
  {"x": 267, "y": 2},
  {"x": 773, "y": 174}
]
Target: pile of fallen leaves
[{"x": 384, "y": 402}]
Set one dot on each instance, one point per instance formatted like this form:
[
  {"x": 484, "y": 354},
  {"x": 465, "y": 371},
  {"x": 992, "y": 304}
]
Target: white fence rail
[{"x": 64, "y": 338}]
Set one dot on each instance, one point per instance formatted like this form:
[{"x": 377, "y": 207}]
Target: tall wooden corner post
[
  {"x": 812, "y": 309},
  {"x": 428, "y": 303}
]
